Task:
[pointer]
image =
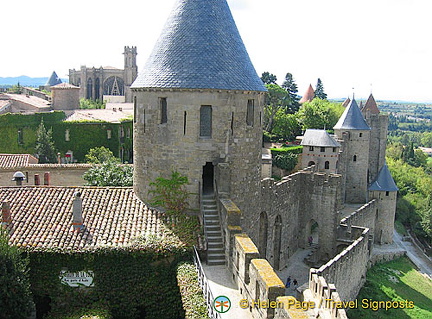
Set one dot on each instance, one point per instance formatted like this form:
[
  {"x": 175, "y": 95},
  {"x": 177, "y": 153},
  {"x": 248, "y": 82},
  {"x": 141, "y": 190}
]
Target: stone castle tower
[
  {"x": 198, "y": 108},
  {"x": 354, "y": 135}
]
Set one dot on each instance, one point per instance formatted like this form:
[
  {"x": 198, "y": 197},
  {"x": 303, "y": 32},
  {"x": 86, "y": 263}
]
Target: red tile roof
[
  {"x": 16, "y": 160},
  {"x": 308, "y": 96},
  {"x": 42, "y": 217},
  {"x": 371, "y": 106}
]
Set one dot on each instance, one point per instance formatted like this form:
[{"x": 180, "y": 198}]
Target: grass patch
[
  {"x": 400, "y": 228},
  {"x": 397, "y": 280}
]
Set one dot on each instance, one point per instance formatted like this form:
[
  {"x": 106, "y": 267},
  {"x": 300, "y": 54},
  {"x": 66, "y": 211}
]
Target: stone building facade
[{"x": 107, "y": 83}]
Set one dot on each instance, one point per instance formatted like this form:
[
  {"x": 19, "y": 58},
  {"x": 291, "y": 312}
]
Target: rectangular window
[
  {"x": 334, "y": 149},
  {"x": 322, "y": 149},
  {"x": 311, "y": 148},
  {"x": 20, "y": 137},
  {"x": 250, "y": 112},
  {"x": 164, "y": 111},
  {"x": 205, "y": 121}
]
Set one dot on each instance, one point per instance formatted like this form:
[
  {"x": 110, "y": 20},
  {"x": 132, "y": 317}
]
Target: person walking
[{"x": 288, "y": 282}]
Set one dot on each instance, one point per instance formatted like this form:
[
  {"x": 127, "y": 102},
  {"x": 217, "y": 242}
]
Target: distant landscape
[{"x": 24, "y": 81}]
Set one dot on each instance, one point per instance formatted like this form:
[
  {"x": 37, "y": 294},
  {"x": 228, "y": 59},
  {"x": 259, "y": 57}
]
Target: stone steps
[{"x": 215, "y": 247}]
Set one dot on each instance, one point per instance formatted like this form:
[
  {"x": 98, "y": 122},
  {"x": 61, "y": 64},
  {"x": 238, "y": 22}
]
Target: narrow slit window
[
  {"x": 206, "y": 121},
  {"x": 164, "y": 110},
  {"x": 355, "y": 158},
  {"x": 184, "y": 122},
  {"x": 135, "y": 108},
  {"x": 232, "y": 123},
  {"x": 250, "y": 112}
]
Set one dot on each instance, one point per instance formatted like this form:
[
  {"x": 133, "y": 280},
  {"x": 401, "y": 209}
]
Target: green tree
[
  {"x": 291, "y": 87},
  {"x": 99, "y": 155},
  {"x": 268, "y": 78},
  {"x": 45, "y": 149},
  {"x": 91, "y": 104},
  {"x": 277, "y": 98},
  {"x": 171, "y": 193},
  {"x": 109, "y": 173},
  {"x": 319, "y": 91},
  {"x": 15, "y": 296},
  {"x": 286, "y": 127},
  {"x": 319, "y": 114},
  {"x": 106, "y": 169}
]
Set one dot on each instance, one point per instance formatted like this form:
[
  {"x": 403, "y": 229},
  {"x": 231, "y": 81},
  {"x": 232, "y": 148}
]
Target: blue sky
[{"x": 381, "y": 46}]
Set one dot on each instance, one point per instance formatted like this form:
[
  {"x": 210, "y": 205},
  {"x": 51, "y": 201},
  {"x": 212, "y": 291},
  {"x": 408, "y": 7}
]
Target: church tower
[
  {"x": 130, "y": 70},
  {"x": 354, "y": 135},
  {"x": 198, "y": 107}
]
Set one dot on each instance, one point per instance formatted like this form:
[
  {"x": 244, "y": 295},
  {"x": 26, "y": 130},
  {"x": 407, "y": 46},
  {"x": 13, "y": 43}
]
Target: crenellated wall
[
  {"x": 347, "y": 270},
  {"x": 289, "y": 210}
]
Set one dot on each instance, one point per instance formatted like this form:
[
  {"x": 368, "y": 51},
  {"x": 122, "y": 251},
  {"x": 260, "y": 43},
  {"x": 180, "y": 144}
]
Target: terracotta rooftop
[
  {"x": 64, "y": 86},
  {"x": 33, "y": 101},
  {"x": 106, "y": 115},
  {"x": 346, "y": 102},
  {"x": 308, "y": 96},
  {"x": 16, "y": 160},
  {"x": 371, "y": 106},
  {"x": 42, "y": 217}
]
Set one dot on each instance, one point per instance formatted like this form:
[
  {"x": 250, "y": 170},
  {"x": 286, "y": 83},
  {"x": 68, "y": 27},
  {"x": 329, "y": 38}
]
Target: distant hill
[{"x": 24, "y": 81}]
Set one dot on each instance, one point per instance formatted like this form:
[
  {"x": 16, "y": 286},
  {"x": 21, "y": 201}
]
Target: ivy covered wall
[
  {"x": 127, "y": 284},
  {"x": 18, "y": 134}
]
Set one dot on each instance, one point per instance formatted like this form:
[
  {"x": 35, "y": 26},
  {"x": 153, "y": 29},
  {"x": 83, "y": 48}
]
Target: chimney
[
  {"x": 47, "y": 178},
  {"x": 6, "y": 214},
  {"x": 77, "y": 220},
  {"x": 18, "y": 177},
  {"x": 37, "y": 179}
]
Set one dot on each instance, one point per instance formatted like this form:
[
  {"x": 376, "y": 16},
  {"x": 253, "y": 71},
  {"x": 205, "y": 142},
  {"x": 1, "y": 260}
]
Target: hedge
[
  {"x": 127, "y": 284},
  {"x": 83, "y": 135}
]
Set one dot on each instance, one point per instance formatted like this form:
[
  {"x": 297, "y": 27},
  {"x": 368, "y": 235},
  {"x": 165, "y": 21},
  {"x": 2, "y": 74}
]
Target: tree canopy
[
  {"x": 268, "y": 78},
  {"x": 319, "y": 90},
  {"x": 319, "y": 114}
]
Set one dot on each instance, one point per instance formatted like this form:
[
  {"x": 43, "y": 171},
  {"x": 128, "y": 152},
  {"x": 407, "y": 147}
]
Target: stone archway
[{"x": 312, "y": 230}]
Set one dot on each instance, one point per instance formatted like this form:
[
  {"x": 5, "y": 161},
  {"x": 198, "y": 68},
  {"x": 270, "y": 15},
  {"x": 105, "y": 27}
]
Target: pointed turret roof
[
  {"x": 308, "y": 96},
  {"x": 53, "y": 80},
  {"x": 371, "y": 106},
  {"x": 200, "y": 48},
  {"x": 384, "y": 181},
  {"x": 352, "y": 118},
  {"x": 346, "y": 102}
]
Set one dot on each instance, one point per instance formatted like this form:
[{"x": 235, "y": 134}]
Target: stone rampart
[{"x": 347, "y": 270}]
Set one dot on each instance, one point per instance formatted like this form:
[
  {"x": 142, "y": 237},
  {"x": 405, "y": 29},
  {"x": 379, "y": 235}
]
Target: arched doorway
[
  {"x": 263, "y": 234},
  {"x": 207, "y": 178},
  {"x": 277, "y": 242},
  {"x": 311, "y": 163},
  {"x": 313, "y": 233}
]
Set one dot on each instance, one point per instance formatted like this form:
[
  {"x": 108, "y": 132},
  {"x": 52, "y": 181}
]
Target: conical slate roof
[
  {"x": 200, "y": 48},
  {"x": 371, "y": 106},
  {"x": 309, "y": 95},
  {"x": 384, "y": 181},
  {"x": 352, "y": 118},
  {"x": 53, "y": 80}
]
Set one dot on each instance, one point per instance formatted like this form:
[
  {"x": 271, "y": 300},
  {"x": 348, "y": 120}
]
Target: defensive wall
[{"x": 297, "y": 202}]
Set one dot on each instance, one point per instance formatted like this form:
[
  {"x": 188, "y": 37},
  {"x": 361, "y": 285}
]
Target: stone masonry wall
[
  {"x": 60, "y": 174},
  {"x": 177, "y": 145}
]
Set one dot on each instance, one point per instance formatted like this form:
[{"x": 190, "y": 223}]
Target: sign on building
[{"x": 77, "y": 279}]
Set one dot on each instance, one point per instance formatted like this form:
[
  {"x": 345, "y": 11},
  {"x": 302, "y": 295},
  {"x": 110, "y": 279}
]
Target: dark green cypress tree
[
  {"x": 319, "y": 91},
  {"x": 45, "y": 149},
  {"x": 292, "y": 89}
]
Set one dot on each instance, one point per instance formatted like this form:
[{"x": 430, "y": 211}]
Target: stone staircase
[{"x": 215, "y": 248}]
